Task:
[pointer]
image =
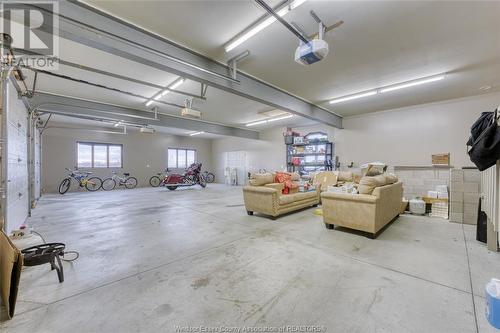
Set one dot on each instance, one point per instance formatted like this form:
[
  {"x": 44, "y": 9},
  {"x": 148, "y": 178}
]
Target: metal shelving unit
[{"x": 308, "y": 157}]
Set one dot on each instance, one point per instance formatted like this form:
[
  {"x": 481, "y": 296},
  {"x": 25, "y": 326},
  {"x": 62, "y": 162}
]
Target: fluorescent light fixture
[
  {"x": 385, "y": 89},
  {"x": 412, "y": 83},
  {"x": 355, "y": 96},
  {"x": 262, "y": 25},
  {"x": 196, "y": 133},
  {"x": 173, "y": 85},
  {"x": 265, "y": 121},
  {"x": 280, "y": 118}
]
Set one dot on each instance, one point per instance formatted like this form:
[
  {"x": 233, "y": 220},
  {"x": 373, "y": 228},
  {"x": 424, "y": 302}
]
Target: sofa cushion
[
  {"x": 324, "y": 179},
  {"x": 390, "y": 178},
  {"x": 296, "y": 197},
  {"x": 368, "y": 183},
  {"x": 259, "y": 179},
  {"x": 345, "y": 176}
]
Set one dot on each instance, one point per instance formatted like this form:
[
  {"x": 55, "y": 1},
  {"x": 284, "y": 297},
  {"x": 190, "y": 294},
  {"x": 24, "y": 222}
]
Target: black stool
[{"x": 45, "y": 254}]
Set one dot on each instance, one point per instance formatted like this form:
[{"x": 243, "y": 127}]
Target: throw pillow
[{"x": 368, "y": 183}]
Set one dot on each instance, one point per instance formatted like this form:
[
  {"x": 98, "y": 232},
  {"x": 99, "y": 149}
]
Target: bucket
[{"x": 493, "y": 302}]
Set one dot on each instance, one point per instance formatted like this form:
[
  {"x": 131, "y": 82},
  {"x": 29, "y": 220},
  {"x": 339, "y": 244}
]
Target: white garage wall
[
  {"x": 267, "y": 153},
  {"x": 17, "y": 202},
  {"x": 406, "y": 136},
  {"x": 143, "y": 154},
  {"x": 409, "y": 136}
]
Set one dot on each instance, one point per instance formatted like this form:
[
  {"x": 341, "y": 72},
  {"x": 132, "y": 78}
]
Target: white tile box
[
  {"x": 457, "y": 196},
  {"x": 470, "y": 208},
  {"x": 442, "y": 174},
  {"x": 470, "y": 218},
  {"x": 456, "y": 207},
  {"x": 456, "y": 217},
  {"x": 471, "y": 187},
  {"x": 456, "y": 175},
  {"x": 456, "y": 186},
  {"x": 471, "y": 198},
  {"x": 472, "y": 176}
]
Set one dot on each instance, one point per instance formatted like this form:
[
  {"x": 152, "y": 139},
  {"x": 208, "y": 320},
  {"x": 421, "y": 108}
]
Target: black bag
[{"x": 485, "y": 150}]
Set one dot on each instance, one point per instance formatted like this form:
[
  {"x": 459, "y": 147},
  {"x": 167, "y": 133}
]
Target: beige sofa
[
  {"x": 364, "y": 212},
  {"x": 267, "y": 198}
]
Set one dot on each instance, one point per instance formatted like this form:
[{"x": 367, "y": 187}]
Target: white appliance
[{"x": 190, "y": 113}]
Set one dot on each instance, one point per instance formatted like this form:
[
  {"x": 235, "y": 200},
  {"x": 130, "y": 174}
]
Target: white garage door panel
[{"x": 17, "y": 167}]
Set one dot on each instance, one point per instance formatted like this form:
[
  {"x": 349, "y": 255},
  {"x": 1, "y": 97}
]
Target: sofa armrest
[
  {"x": 259, "y": 189},
  {"x": 277, "y": 186},
  {"x": 349, "y": 197}
]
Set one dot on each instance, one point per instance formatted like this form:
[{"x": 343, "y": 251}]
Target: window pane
[
  {"x": 84, "y": 155},
  {"x": 100, "y": 156},
  {"x": 190, "y": 157},
  {"x": 172, "y": 158},
  {"x": 115, "y": 156},
  {"x": 181, "y": 158}
]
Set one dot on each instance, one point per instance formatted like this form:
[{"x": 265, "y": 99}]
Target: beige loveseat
[
  {"x": 264, "y": 196},
  {"x": 368, "y": 212}
]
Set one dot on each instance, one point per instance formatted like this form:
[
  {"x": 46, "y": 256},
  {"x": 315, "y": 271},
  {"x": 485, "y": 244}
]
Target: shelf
[
  {"x": 308, "y": 144},
  {"x": 308, "y": 154}
]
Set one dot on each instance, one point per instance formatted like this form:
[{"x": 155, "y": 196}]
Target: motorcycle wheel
[
  {"x": 172, "y": 188},
  {"x": 202, "y": 181},
  {"x": 209, "y": 177},
  {"x": 154, "y": 181}
]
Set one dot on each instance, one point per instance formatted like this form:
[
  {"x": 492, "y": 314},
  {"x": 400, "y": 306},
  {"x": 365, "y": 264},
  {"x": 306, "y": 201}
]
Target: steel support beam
[
  {"x": 79, "y": 108},
  {"x": 86, "y": 25}
]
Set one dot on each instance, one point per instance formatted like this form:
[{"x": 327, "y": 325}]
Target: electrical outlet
[{"x": 20, "y": 233}]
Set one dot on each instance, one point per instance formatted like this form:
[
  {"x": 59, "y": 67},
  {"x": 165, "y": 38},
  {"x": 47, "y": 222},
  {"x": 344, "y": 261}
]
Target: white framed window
[
  {"x": 99, "y": 155},
  {"x": 178, "y": 158}
]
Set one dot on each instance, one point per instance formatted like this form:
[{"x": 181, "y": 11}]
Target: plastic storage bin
[
  {"x": 417, "y": 206},
  {"x": 493, "y": 302}
]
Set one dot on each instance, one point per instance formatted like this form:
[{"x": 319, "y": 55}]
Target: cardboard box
[
  {"x": 441, "y": 159},
  {"x": 457, "y": 217}
]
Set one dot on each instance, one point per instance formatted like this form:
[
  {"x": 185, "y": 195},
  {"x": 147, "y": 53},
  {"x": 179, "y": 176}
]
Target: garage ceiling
[{"x": 381, "y": 43}]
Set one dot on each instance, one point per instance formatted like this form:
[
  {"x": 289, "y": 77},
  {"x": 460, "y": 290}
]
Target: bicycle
[
  {"x": 109, "y": 184},
  {"x": 156, "y": 180},
  {"x": 83, "y": 180},
  {"x": 208, "y": 176}
]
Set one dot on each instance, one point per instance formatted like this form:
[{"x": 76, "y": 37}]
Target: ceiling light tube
[
  {"x": 174, "y": 85},
  {"x": 256, "y": 123},
  {"x": 355, "y": 96},
  {"x": 412, "y": 83},
  {"x": 196, "y": 133},
  {"x": 280, "y": 118},
  {"x": 265, "y": 121},
  {"x": 262, "y": 25}
]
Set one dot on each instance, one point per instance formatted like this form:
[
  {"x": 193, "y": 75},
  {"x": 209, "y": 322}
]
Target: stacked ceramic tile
[{"x": 464, "y": 195}]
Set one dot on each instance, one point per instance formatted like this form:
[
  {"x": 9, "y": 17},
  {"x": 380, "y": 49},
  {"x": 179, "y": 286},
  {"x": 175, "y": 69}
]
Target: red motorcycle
[{"x": 191, "y": 176}]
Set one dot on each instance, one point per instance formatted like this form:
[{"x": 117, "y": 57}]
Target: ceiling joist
[
  {"x": 79, "y": 108},
  {"x": 88, "y": 26}
]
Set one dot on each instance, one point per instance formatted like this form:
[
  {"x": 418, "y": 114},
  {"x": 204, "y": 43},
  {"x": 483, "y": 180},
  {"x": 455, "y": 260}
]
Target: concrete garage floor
[{"x": 152, "y": 259}]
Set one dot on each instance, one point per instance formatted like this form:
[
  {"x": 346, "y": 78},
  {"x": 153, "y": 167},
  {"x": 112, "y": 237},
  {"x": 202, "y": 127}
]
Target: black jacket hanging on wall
[{"x": 485, "y": 141}]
